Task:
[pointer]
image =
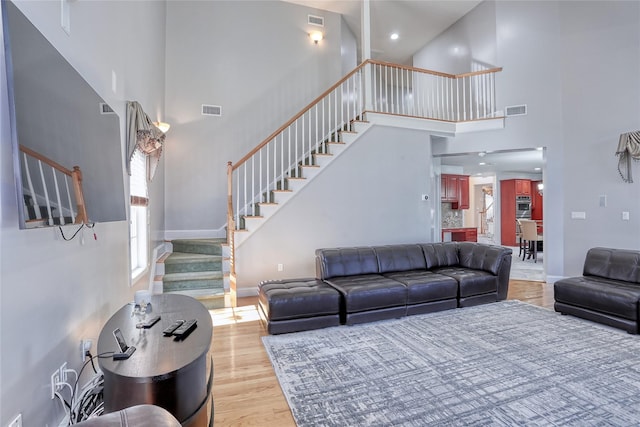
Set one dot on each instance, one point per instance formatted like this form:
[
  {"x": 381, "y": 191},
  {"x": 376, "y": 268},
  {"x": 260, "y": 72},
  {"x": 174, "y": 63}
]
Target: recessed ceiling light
[
  {"x": 536, "y": 169},
  {"x": 482, "y": 163},
  {"x": 394, "y": 36}
]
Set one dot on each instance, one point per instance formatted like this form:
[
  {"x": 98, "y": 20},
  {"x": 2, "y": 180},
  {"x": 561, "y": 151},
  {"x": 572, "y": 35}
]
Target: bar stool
[{"x": 531, "y": 238}]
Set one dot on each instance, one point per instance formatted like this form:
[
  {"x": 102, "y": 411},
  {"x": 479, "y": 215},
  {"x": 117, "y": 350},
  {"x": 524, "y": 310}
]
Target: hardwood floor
[{"x": 246, "y": 391}]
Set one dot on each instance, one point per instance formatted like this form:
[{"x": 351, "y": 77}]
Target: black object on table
[{"x": 175, "y": 374}]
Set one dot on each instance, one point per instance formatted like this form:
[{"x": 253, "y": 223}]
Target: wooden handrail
[
  {"x": 43, "y": 159},
  {"x": 435, "y": 73},
  {"x": 345, "y": 78},
  {"x": 297, "y": 116}
]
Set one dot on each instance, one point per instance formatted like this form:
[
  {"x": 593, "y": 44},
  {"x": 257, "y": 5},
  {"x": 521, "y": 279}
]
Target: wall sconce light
[
  {"x": 164, "y": 127},
  {"x": 316, "y": 36},
  {"x": 540, "y": 188}
]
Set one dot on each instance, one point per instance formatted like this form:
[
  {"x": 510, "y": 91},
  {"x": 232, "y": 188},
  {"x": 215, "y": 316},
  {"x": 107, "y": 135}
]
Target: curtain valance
[
  {"x": 628, "y": 148},
  {"x": 144, "y": 136}
]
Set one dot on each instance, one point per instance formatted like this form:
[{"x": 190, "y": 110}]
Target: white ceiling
[
  {"x": 416, "y": 21},
  {"x": 522, "y": 161}
]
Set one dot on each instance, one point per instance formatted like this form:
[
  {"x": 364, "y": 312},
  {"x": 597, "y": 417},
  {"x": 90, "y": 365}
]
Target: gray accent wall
[
  {"x": 54, "y": 293},
  {"x": 576, "y": 66},
  {"x": 369, "y": 195},
  {"x": 256, "y": 60}
]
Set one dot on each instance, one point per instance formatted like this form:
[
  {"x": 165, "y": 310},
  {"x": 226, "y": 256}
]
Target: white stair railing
[
  {"x": 43, "y": 189},
  {"x": 394, "y": 89}
]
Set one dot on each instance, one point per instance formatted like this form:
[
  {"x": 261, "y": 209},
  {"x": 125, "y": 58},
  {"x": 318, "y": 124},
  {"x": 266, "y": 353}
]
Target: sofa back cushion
[
  {"x": 440, "y": 254},
  {"x": 617, "y": 264},
  {"x": 392, "y": 258},
  {"x": 482, "y": 257},
  {"x": 345, "y": 262}
]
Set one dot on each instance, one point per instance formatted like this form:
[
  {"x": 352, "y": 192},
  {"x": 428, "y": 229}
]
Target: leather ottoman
[{"x": 293, "y": 305}]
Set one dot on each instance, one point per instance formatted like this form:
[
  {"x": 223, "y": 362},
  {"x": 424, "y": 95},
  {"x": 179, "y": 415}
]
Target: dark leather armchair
[{"x": 135, "y": 416}]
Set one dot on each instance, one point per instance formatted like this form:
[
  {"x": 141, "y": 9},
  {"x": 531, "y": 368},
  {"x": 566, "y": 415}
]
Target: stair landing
[{"x": 195, "y": 268}]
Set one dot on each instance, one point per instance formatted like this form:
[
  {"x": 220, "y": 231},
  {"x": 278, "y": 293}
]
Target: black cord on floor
[{"x": 73, "y": 417}]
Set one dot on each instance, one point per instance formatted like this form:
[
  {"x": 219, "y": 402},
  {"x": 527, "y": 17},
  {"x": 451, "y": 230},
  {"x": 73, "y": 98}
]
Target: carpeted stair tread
[
  {"x": 193, "y": 280},
  {"x": 195, "y": 268},
  {"x": 211, "y": 299},
  {"x": 200, "y": 246},
  {"x": 179, "y": 262},
  {"x": 194, "y": 275}
]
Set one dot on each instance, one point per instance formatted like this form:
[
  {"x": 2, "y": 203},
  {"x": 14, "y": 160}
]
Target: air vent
[
  {"x": 211, "y": 110},
  {"x": 516, "y": 110},
  {"x": 316, "y": 20},
  {"x": 105, "y": 109}
]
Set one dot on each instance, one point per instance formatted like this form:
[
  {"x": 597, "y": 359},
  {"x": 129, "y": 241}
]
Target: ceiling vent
[
  {"x": 516, "y": 110},
  {"x": 105, "y": 109},
  {"x": 211, "y": 110},
  {"x": 315, "y": 20}
]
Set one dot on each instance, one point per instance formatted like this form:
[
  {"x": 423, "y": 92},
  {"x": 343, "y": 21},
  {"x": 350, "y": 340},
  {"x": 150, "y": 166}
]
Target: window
[{"x": 138, "y": 222}]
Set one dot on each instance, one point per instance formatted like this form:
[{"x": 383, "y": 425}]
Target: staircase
[
  {"x": 298, "y": 177},
  {"x": 196, "y": 267}
]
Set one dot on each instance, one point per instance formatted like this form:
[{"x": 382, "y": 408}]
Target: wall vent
[
  {"x": 315, "y": 20},
  {"x": 516, "y": 110},
  {"x": 105, "y": 109},
  {"x": 211, "y": 110}
]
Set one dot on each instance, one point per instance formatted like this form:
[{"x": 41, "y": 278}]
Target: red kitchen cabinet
[
  {"x": 463, "y": 192},
  {"x": 523, "y": 187},
  {"x": 454, "y": 189}
]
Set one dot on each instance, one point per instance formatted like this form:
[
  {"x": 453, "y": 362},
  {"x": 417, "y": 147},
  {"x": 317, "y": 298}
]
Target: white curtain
[
  {"x": 628, "y": 148},
  {"x": 144, "y": 136}
]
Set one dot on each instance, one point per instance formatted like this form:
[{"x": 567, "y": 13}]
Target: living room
[{"x": 575, "y": 65}]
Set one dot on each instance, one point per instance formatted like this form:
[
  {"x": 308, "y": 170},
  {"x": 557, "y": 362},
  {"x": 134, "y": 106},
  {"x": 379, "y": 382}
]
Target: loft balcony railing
[
  {"x": 48, "y": 197},
  {"x": 373, "y": 86}
]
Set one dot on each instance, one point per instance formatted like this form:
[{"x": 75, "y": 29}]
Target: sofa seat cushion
[
  {"x": 297, "y": 298},
  {"x": 470, "y": 282},
  {"x": 606, "y": 296},
  {"x": 426, "y": 286},
  {"x": 369, "y": 292}
]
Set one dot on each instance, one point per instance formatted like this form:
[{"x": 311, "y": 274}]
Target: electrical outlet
[
  {"x": 85, "y": 346},
  {"x": 16, "y": 422}
]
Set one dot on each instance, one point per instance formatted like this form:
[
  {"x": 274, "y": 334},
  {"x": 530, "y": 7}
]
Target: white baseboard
[
  {"x": 553, "y": 279},
  {"x": 247, "y": 292},
  {"x": 196, "y": 234}
]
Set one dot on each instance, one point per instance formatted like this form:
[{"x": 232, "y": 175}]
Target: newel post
[
  {"x": 76, "y": 176},
  {"x": 230, "y": 222}
]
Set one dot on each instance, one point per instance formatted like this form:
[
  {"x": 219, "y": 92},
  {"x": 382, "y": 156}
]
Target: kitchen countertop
[{"x": 459, "y": 229}]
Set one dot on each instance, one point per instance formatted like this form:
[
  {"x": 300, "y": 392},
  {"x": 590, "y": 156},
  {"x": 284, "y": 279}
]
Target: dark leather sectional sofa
[
  {"x": 381, "y": 282},
  {"x": 608, "y": 291}
]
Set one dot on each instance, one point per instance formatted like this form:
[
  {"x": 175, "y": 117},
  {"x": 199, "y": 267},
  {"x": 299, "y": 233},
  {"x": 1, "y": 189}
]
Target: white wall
[
  {"x": 54, "y": 293},
  {"x": 576, "y": 66},
  {"x": 347, "y": 205},
  {"x": 253, "y": 58}
]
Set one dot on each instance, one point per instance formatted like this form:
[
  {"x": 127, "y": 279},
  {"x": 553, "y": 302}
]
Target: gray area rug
[{"x": 506, "y": 363}]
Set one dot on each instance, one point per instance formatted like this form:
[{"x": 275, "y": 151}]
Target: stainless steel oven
[{"x": 523, "y": 207}]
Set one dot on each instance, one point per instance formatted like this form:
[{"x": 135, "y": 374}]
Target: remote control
[
  {"x": 185, "y": 329},
  {"x": 169, "y": 330},
  {"x": 149, "y": 323}
]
